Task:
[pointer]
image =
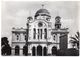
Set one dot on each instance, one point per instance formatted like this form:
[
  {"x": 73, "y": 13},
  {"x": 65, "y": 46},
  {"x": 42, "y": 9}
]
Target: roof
[{"x": 42, "y": 11}]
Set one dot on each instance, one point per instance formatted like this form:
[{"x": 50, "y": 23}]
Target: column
[
  {"x": 36, "y": 50},
  {"x": 43, "y": 34},
  {"x": 20, "y": 36},
  {"x": 58, "y": 37},
  {"x": 21, "y": 51},
  {"x": 42, "y": 51},
  {"x": 15, "y": 36},
  {"x": 23, "y": 37},
  {"x": 13, "y": 51}
]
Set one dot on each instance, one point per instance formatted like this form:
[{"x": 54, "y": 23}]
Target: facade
[{"x": 39, "y": 38}]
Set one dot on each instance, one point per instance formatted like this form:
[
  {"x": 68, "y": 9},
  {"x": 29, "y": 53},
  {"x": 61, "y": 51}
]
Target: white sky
[{"x": 15, "y": 13}]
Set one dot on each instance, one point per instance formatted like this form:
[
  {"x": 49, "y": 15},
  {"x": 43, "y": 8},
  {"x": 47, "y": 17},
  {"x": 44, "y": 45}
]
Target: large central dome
[{"x": 42, "y": 11}]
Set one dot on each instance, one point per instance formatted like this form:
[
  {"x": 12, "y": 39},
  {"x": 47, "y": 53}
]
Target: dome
[
  {"x": 42, "y": 11},
  {"x": 29, "y": 18},
  {"x": 58, "y": 17}
]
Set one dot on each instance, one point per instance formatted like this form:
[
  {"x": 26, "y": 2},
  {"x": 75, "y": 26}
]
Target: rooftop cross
[{"x": 42, "y": 6}]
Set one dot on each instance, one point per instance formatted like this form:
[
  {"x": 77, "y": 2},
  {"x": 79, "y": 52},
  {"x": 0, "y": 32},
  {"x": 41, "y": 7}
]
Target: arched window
[
  {"x": 17, "y": 49},
  {"x": 25, "y": 50},
  {"x": 45, "y": 51},
  {"x": 54, "y": 50},
  {"x": 33, "y": 51},
  {"x": 39, "y": 33}
]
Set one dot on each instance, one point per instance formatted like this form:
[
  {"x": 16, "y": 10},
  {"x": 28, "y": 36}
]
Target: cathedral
[{"x": 39, "y": 38}]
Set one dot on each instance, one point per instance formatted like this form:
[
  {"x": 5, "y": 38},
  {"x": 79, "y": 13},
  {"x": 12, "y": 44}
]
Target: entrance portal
[
  {"x": 54, "y": 50},
  {"x": 39, "y": 50}
]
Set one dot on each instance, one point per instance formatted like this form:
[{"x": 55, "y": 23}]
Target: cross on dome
[{"x": 42, "y": 6}]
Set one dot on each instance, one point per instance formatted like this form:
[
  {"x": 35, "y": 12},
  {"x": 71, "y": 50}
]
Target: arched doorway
[
  {"x": 45, "y": 51},
  {"x": 17, "y": 48},
  {"x": 39, "y": 50},
  {"x": 33, "y": 51},
  {"x": 25, "y": 50},
  {"x": 54, "y": 50}
]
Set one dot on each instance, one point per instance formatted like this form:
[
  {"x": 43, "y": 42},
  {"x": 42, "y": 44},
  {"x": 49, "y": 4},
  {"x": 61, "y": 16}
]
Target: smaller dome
[
  {"x": 29, "y": 18},
  {"x": 58, "y": 17}
]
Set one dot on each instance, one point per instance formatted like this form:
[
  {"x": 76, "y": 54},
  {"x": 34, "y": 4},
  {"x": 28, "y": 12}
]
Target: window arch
[
  {"x": 39, "y": 50},
  {"x": 25, "y": 50},
  {"x": 33, "y": 51},
  {"x": 17, "y": 49},
  {"x": 54, "y": 50},
  {"x": 45, "y": 51}
]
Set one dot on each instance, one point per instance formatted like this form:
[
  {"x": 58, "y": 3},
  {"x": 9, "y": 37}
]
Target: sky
[{"x": 15, "y": 13}]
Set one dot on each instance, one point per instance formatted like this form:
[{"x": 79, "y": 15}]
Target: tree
[
  {"x": 75, "y": 40},
  {"x": 4, "y": 41},
  {"x": 5, "y": 47}
]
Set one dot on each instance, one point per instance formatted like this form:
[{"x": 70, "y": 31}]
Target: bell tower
[
  {"x": 57, "y": 22},
  {"x": 60, "y": 34}
]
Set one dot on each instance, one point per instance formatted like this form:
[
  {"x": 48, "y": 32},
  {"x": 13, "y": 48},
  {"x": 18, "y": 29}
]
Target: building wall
[{"x": 53, "y": 37}]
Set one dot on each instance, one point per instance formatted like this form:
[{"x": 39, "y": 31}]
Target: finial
[{"x": 42, "y": 5}]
